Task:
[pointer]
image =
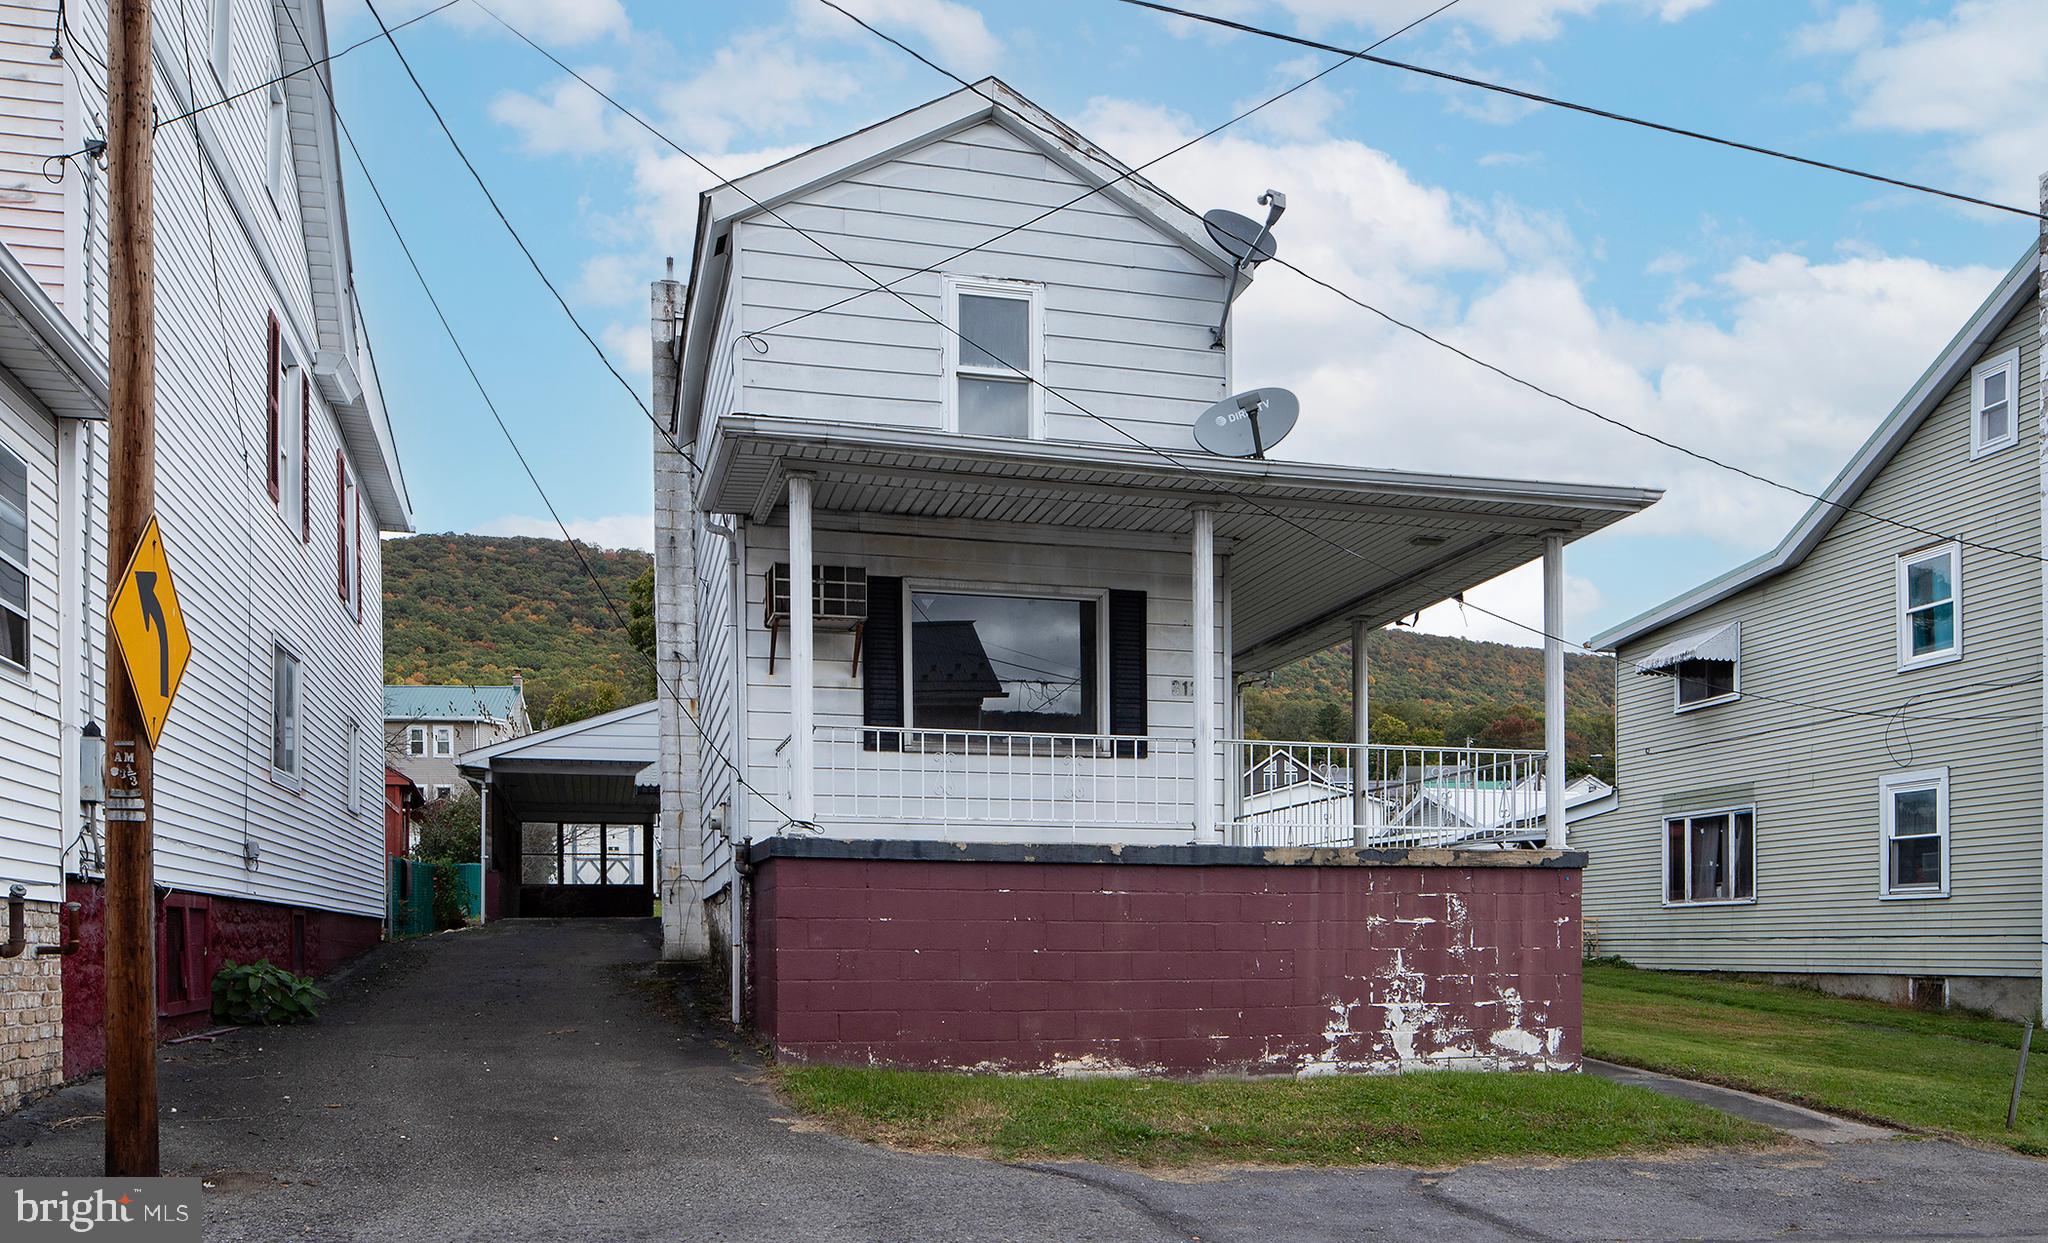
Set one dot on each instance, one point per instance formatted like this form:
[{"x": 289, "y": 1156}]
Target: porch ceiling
[
  {"x": 596, "y": 770},
  {"x": 1418, "y": 538}
]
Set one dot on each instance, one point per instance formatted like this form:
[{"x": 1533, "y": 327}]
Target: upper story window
[
  {"x": 444, "y": 741},
  {"x": 1704, "y": 668},
  {"x": 1914, "y": 812},
  {"x": 1994, "y": 404},
  {"x": 223, "y": 40},
  {"x": 13, "y": 558},
  {"x": 285, "y": 716},
  {"x": 277, "y": 167},
  {"x": 1930, "y": 606},
  {"x": 993, "y": 360},
  {"x": 415, "y": 740}
]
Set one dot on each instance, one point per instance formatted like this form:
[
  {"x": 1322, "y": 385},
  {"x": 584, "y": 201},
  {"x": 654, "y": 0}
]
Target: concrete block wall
[
  {"x": 1221, "y": 963},
  {"x": 31, "y": 1013}
]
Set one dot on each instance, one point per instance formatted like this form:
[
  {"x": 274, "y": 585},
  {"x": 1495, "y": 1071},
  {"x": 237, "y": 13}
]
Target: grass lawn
[
  {"x": 1432, "y": 1119},
  {"x": 1917, "y": 1069}
]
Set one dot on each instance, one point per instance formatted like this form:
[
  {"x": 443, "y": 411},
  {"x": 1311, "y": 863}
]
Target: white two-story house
[
  {"x": 275, "y": 474},
  {"x": 1830, "y": 758},
  {"x": 945, "y": 563}
]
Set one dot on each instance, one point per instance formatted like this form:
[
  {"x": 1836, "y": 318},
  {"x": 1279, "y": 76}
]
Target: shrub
[
  {"x": 450, "y": 911},
  {"x": 259, "y": 993}
]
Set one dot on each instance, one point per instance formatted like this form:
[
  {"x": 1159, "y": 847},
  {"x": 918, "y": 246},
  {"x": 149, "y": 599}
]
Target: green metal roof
[{"x": 451, "y": 703}]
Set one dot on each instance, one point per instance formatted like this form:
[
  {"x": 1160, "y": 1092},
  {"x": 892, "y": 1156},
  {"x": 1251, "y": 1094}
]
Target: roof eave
[{"x": 1955, "y": 359}]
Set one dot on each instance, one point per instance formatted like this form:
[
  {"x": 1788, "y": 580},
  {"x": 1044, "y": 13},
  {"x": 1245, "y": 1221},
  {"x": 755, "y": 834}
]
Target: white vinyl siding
[
  {"x": 1126, "y": 311},
  {"x": 30, "y": 697},
  {"x": 33, "y": 111},
  {"x": 1019, "y": 559},
  {"x": 1825, "y": 632}
]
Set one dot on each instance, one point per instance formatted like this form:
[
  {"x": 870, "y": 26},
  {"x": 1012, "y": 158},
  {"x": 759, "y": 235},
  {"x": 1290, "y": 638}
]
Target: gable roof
[
  {"x": 990, "y": 99},
  {"x": 452, "y": 703},
  {"x": 1954, "y": 362}
]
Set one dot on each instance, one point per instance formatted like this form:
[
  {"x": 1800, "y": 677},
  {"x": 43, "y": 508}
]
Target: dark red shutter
[
  {"x": 341, "y": 526},
  {"x": 274, "y": 430},
  {"x": 881, "y": 665},
  {"x": 305, "y": 459},
  {"x": 1127, "y": 674}
]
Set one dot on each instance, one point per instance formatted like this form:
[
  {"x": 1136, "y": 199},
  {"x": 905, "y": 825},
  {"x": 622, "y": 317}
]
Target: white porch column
[
  {"x": 802, "y": 681},
  {"x": 1204, "y": 622},
  {"x": 1553, "y": 689},
  {"x": 1361, "y": 731}
]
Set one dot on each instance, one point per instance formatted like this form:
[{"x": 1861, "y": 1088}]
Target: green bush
[
  {"x": 450, "y": 911},
  {"x": 259, "y": 993}
]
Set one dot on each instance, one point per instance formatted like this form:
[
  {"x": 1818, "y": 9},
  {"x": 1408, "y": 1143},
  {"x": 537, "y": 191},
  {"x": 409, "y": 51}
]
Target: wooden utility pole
[{"x": 131, "y": 496}]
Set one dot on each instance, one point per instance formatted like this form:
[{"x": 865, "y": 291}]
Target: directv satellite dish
[
  {"x": 1240, "y": 236},
  {"x": 1248, "y": 242},
  {"x": 1248, "y": 424}
]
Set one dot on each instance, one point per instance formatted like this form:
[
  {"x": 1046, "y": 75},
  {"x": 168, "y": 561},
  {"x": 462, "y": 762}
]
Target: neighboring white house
[
  {"x": 1293, "y": 796},
  {"x": 275, "y": 474},
  {"x": 1830, "y": 758},
  {"x": 904, "y": 591}
]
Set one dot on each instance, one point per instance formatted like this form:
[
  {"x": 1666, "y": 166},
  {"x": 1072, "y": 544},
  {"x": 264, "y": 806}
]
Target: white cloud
[
  {"x": 1509, "y": 159},
  {"x": 952, "y": 34},
  {"x": 552, "y": 22},
  {"x": 760, "y": 83},
  {"x": 1503, "y": 21},
  {"x": 616, "y": 531},
  {"x": 1517, "y": 594},
  {"x": 1975, "y": 77}
]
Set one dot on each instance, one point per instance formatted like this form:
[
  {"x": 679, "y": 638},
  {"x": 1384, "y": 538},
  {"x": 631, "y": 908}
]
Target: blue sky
[{"x": 1762, "y": 312}]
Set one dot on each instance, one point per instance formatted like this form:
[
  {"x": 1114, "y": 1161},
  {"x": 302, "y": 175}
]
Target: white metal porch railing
[
  {"x": 866, "y": 774},
  {"x": 1305, "y": 794}
]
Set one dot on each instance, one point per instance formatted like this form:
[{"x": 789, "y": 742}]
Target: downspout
[
  {"x": 738, "y": 825},
  {"x": 2041, "y": 535}
]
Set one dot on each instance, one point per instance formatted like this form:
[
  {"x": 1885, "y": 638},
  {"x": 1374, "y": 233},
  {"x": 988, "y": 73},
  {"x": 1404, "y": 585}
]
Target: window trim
[
  {"x": 1086, "y": 595},
  {"x": 27, "y": 567},
  {"x": 358, "y": 769},
  {"x": 1664, "y": 855},
  {"x": 294, "y": 777},
  {"x": 2008, "y": 362},
  {"x": 1890, "y": 784},
  {"x": 420, "y": 730},
  {"x": 1029, "y": 292},
  {"x": 440, "y": 732},
  {"x": 1902, "y": 635}
]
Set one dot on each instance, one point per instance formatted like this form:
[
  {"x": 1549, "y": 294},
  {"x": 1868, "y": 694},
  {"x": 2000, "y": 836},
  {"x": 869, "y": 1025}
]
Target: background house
[
  {"x": 276, "y": 472},
  {"x": 1830, "y": 758},
  {"x": 426, "y": 729}
]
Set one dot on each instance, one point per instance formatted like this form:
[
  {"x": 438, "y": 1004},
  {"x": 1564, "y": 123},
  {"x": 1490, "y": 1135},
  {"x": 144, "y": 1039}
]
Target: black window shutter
[
  {"x": 881, "y": 658},
  {"x": 1127, "y": 688}
]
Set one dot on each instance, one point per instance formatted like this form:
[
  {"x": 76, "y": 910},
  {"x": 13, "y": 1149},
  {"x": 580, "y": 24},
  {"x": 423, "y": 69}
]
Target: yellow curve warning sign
[{"x": 149, "y": 629}]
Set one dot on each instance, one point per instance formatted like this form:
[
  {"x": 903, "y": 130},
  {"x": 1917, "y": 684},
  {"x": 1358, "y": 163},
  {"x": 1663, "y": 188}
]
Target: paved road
[{"x": 536, "y": 1080}]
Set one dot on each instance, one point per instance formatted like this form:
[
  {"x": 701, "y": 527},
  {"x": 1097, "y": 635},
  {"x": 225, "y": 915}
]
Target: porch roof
[
  {"x": 595, "y": 770},
  {"x": 1418, "y": 538}
]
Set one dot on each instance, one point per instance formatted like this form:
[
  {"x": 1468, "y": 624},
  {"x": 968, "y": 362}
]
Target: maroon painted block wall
[
  {"x": 1213, "y": 968},
  {"x": 240, "y": 930}
]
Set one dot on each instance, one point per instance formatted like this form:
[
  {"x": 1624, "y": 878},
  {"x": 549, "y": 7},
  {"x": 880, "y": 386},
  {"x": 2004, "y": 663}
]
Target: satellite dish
[
  {"x": 1248, "y": 424},
  {"x": 1241, "y": 237}
]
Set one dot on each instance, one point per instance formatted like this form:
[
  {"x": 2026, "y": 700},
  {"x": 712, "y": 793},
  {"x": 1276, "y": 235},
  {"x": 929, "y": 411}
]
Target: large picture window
[
  {"x": 1930, "y": 609},
  {"x": 1914, "y": 811},
  {"x": 13, "y": 559},
  {"x": 1710, "y": 857},
  {"x": 1003, "y": 664}
]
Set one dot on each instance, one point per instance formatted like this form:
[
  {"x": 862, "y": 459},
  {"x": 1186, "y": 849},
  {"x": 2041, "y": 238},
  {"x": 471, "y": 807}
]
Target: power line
[
  {"x": 1603, "y": 113},
  {"x": 1089, "y": 193},
  {"x": 611, "y": 605},
  {"x": 1531, "y": 385},
  {"x": 524, "y": 249}
]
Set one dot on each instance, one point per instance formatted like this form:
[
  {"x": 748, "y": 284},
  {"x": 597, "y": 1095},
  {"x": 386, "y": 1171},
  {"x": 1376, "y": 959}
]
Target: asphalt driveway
[{"x": 539, "y": 1080}]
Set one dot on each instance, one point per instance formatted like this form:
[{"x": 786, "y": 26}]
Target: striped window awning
[{"x": 1723, "y": 643}]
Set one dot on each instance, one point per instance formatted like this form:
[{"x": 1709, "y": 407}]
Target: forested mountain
[
  {"x": 480, "y": 608},
  {"x": 476, "y": 608}
]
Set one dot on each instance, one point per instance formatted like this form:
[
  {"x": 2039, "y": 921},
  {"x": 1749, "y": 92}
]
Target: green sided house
[{"x": 1830, "y": 759}]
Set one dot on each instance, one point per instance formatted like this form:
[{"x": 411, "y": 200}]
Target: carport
[{"x": 568, "y": 817}]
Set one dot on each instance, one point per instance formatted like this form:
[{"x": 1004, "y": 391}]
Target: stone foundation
[
  {"x": 1164, "y": 959},
  {"x": 31, "y": 1012}
]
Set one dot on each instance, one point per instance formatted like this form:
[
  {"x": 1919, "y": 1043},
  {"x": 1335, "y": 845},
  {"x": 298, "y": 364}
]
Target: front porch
[{"x": 1050, "y": 640}]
